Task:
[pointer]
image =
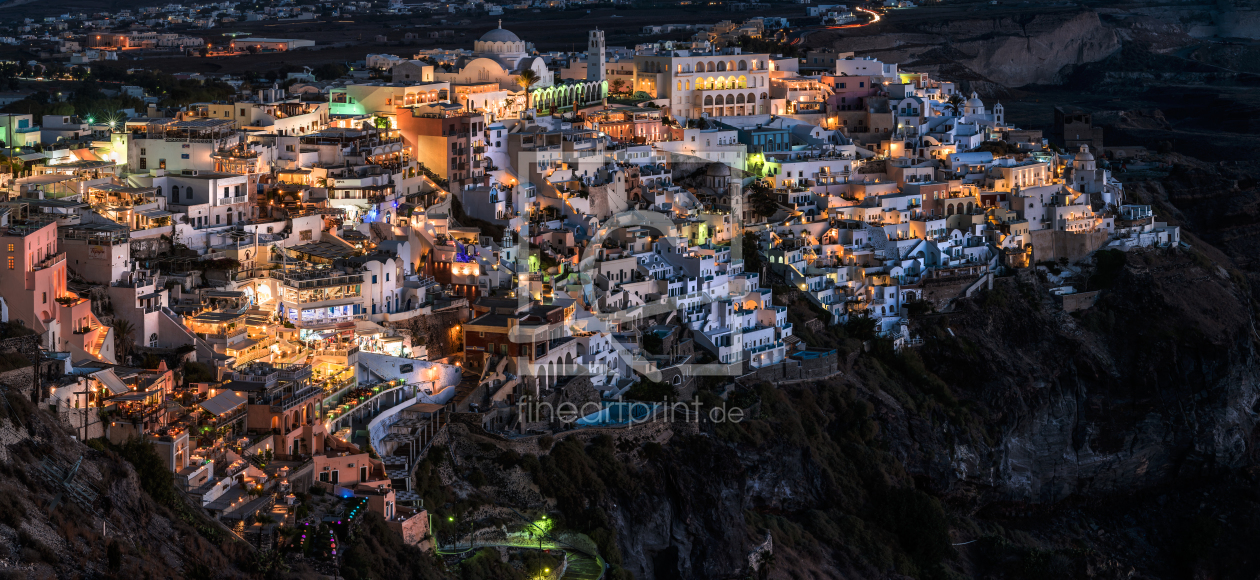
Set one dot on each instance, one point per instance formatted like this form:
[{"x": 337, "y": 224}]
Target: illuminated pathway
[{"x": 875, "y": 17}]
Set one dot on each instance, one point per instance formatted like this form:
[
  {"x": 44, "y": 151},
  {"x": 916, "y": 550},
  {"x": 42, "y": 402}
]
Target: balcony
[
  {"x": 70, "y": 300},
  {"x": 285, "y": 403},
  {"x": 235, "y": 153},
  {"x": 294, "y": 372},
  {"x": 315, "y": 278},
  {"x": 257, "y": 351},
  {"x": 223, "y": 335},
  {"x": 337, "y": 352},
  {"x": 49, "y": 261},
  {"x": 322, "y": 323},
  {"x": 308, "y": 301},
  {"x": 233, "y": 200}
]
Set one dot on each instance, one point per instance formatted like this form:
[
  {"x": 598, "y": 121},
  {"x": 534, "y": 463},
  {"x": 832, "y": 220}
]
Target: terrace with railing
[
  {"x": 223, "y": 334},
  {"x": 316, "y": 278},
  {"x": 49, "y": 261},
  {"x": 270, "y": 374},
  {"x": 337, "y": 351},
  {"x": 193, "y": 131},
  {"x": 29, "y": 225},
  {"x": 116, "y": 197},
  {"x": 285, "y": 401}
]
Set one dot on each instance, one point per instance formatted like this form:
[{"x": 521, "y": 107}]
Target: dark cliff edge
[
  {"x": 1032, "y": 427},
  {"x": 1018, "y": 441},
  {"x": 120, "y": 516}
]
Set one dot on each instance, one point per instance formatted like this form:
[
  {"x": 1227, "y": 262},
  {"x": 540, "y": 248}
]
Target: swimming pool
[
  {"x": 617, "y": 414},
  {"x": 810, "y": 354}
]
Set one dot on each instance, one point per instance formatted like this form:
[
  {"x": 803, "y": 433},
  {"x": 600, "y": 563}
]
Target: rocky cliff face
[
  {"x": 1006, "y": 51},
  {"x": 1025, "y": 50},
  {"x": 1154, "y": 384},
  {"x": 1011, "y": 407},
  {"x": 46, "y": 533}
]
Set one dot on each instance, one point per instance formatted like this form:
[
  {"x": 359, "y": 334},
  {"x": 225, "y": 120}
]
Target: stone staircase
[
  {"x": 582, "y": 567},
  {"x": 99, "y": 344}
]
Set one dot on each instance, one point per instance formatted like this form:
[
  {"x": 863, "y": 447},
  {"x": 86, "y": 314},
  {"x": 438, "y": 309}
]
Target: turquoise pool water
[{"x": 617, "y": 414}]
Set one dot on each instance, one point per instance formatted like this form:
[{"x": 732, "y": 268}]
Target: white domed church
[
  {"x": 498, "y": 56},
  {"x": 501, "y": 45},
  {"x": 1084, "y": 175},
  {"x": 973, "y": 108}
]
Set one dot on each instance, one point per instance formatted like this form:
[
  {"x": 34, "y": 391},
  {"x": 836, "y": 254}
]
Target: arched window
[
  {"x": 712, "y": 67},
  {"x": 763, "y": 95},
  {"x": 739, "y": 100},
  {"x": 708, "y": 100},
  {"x": 175, "y": 192},
  {"x": 153, "y": 340},
  {"x": 752, "y": 98},
  {"x": 721, "y": 65},
  {"x": 949, "y": 209},
  {"x": 743, "y": 65},
  {"x": 159, "y": 190},
  {"x": 743, "y": 82}
]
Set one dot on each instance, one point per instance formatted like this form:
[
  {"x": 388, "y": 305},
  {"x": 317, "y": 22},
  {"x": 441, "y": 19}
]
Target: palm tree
[
  {"x": 954, "y": 103},
  {"x": 526, "y": 79},
  {"x": 124, "y": 338},
  {"x": 762, "y": 199}
]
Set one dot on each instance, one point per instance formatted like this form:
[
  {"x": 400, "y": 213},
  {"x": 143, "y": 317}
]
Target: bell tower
[{"x": 595, "y": 59}]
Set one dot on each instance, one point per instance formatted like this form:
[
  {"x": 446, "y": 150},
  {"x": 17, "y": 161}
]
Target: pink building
[
  {"x": 348, "y": 469},
  {"x": 849, "y": 92},
  {"x": 33, "y": 285}
]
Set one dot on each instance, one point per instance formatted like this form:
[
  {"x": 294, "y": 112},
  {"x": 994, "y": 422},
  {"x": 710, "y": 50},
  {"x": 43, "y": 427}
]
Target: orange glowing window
[{"x": 12, "y": 262}]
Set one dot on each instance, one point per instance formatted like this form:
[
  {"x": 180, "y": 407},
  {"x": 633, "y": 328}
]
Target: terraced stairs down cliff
[{"x": 582, "y": 567}]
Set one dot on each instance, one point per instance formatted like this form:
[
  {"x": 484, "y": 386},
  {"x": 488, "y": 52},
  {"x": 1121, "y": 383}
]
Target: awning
[
  {"x": 154, "y": 213},
  {"x": 86, "y": 154},
  {"x": 243, "y": 345},
  {"x": 222, "y": 403},
  {"x": 111, "y": 381},
  {"x": 31, "y": 157},
  {"x": 133, "y": 397},
  {"x": 368, "y": 328}
]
